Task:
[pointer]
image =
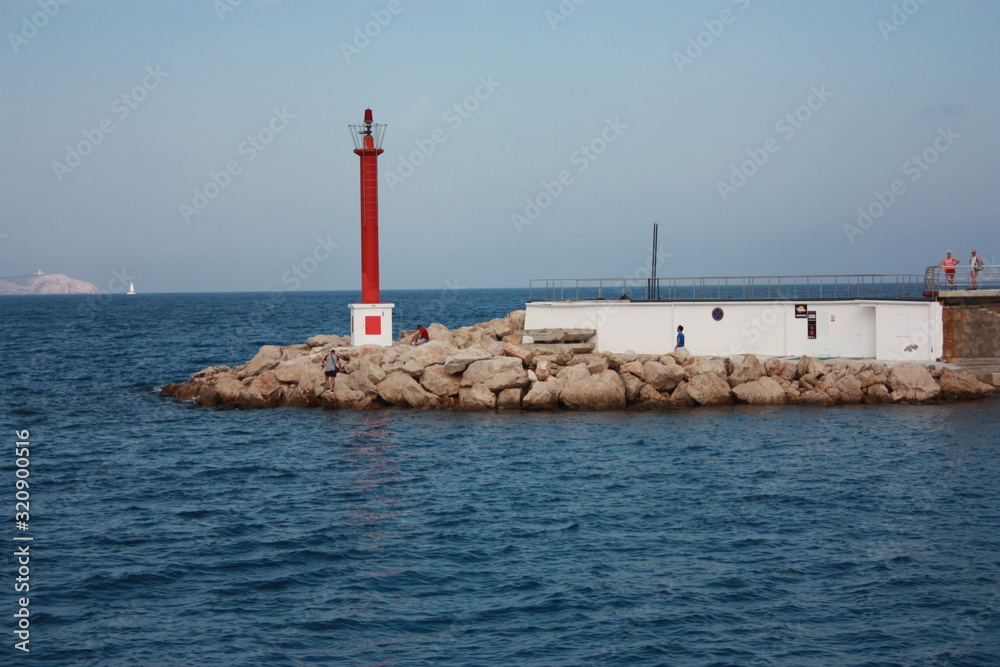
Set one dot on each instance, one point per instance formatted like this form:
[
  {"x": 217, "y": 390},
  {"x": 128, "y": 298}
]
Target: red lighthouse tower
[{"x": 371, "y": 320}]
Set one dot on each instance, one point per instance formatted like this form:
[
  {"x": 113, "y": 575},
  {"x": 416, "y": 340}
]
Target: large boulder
[
  {"x": 343, "y": 396},
  {"x": 211, "y": 371},
  {"x": 185, "y": 391},
  {"x": 650, "y": 398},
  {"x": 662, "y": 377},
  {"x": 912, "y": 383},
  {"x": 431, "y": 352},
  {"x": 297, "y": 397},
  {"x": 877, "y": 393},
  {"x": 810, "y": 381},
  {"x": 560, "y": 358},
  {"x": 574, "y": 373},
  {"x": 748, "y": 370},
  {"x": 492, "y": 346},
  {"x": 351, "y": 358},
  {"x": 358, "y": 382},
  {"x": 326, "y": 342},
  {"x": 990, "y": 378},
  {"x": 680, "y": 355},
  {"x": 496, "y": 328},
  {"x": 635, "y": 367},
  {"x": 521, "y": 353},
  {"x": 497, "y": 373},
  {"x": 709, "y": 388},
  {"x": 867, "y": 377},
  {"x": 603, "y": 391},
  {"x": 962, "y": 384},
  {"x": 845, "y": 389},
  {"x": 779, "y": 368},
  {"x": 439, "y": 332},
  {"x": 680, "y": 395},
  {"x": 813, "y": 397},
  {"x": 704, "y": 365},
  {"x": 791, "y": 389},
  {"x": 633, "y": 386},
  {"x": 485, "y": 341},
  {"x": 394, "y": 355},
  {"x": 476, "y": 397},
  {"x": 229, "y": 390},
  {"x": 543, "y": 395},
  {"x": 510, "y": 399},
  {"x": 809, "y": 366},
  {"x": 582, "y": 359},
  {"x": 290, "y": 352},
  {"x": 598, "y": 365},
  {"x": 371, "y": 369},
  {"x": 762, "y": 391},
  {"x": 461, "y": 337},
  {"x": 665, "y": 359},
  {"x": 617, "y": 359},
  {"x": 437, "y": 380},
  {"x": 265, "y": 385},
  {"x": 460, "y": 360},
  {"x": 303, "y": 371},
  {"x": 399, "y": 388},
  {"x": 413, "y": 368},
  {"x": 267, "y": 357}
]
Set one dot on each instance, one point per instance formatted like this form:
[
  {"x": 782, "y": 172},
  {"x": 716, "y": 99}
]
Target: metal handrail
[
  {"x": 772, "y": 287},
  {"x": 937, "y": 280}
]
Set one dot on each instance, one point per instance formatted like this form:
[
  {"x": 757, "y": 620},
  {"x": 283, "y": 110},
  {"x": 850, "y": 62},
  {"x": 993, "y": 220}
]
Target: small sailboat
[{"x": 131, "y": 288}]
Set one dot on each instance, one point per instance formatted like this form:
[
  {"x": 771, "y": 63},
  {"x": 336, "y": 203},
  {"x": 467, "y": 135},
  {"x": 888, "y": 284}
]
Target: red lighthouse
[{"x": 371, "y": 320}]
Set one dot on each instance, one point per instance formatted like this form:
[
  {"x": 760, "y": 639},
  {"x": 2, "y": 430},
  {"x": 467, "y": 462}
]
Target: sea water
[{"x": 163, "y": 533}]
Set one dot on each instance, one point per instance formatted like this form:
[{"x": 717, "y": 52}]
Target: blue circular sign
[{"x": 717, "y": 314}]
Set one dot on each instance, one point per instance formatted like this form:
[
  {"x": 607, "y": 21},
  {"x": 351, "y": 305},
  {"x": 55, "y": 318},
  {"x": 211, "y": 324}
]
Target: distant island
[{"x": 45, "y": 283}]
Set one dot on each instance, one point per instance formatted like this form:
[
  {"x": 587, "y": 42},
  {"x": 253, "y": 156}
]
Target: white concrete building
[{"x": 890, "y": 330}]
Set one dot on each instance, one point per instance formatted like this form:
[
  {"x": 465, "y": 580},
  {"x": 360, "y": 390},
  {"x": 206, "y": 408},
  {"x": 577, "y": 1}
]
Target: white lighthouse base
[{"x": 371, "y": 323}]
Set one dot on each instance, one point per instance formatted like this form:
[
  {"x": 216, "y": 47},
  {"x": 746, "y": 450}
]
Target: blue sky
[{"x": 525, "y": 139}]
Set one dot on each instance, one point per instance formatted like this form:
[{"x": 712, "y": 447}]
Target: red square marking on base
[{"x": 373, "y": 325}]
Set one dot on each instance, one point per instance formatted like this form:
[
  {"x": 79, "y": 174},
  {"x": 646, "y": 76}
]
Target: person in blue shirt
[{"x": 680, "y": 336}]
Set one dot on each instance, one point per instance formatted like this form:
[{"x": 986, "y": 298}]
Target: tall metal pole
[{"x": 654, "y": 291}]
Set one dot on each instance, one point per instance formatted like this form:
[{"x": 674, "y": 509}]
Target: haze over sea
[{"x": 169, "y": 534}]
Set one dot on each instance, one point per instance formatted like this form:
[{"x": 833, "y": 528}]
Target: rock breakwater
[{"x": 486, "y": 367}]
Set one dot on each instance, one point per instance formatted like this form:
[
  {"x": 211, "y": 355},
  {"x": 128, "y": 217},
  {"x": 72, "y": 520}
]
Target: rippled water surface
[{"x": 169, "y": 534}]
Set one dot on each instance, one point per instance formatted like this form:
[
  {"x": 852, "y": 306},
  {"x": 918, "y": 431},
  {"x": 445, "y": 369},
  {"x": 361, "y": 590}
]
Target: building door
[
  {"x": 824, "y": 347},
  {"x": 868, "y": 330}
]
